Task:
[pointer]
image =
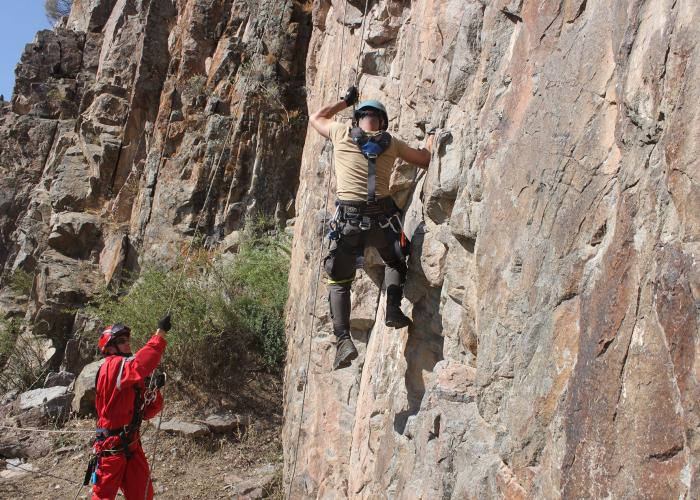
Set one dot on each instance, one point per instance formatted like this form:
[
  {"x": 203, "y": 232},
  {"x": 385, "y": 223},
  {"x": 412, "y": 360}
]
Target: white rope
[
  {"x": 189, "y": 248},
  {"x": 46, "y": 431},
  {"x": 318, "y": 269}
]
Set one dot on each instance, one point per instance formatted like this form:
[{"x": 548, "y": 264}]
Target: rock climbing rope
[
  {"x": 318, "y": 270},
  {"x": 203, "y": 211}
]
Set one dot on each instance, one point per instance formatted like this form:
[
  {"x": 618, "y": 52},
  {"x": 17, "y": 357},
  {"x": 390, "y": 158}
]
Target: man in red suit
[{"x": 123, "y": 400}]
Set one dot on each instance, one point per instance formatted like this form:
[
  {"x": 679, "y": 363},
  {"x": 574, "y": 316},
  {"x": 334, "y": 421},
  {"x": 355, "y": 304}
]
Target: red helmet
[{"x": 111, "y": 333}]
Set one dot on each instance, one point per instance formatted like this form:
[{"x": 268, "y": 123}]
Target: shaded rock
[
  {"x": 247, "y": 485},
  {"x": 227, "y": 422},
  {"x": 23, "y": 445},
  {"x": 61, "y": 378},
  {"x": 231, "y": 243},
  {"x": 84, "y": 389},
  {"x": 187, "y": 429},
  {"x": 74, "y": 234},
  {"x": 39, "y": 405},
  {"x": 81, "y": 349}
]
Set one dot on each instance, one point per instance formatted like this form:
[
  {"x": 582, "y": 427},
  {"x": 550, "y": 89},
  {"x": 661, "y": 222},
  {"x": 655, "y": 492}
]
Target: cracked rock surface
[{"x": 553, "y": 284}]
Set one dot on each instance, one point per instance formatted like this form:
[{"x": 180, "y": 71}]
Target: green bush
[
  {"x": 21, "y": 282},
  {"x": 228, "y": 313},
  {"x": 21, "y": 361}
]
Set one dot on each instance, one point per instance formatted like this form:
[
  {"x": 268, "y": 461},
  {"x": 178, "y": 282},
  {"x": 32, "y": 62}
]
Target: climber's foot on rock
[
  {"x": 395, "y": 318},
  {"x": 345, "y": 352}
]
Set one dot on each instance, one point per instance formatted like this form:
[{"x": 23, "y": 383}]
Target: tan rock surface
[
  {"x": 554, "y": 280},
  {"x": 554, "y": 284}
]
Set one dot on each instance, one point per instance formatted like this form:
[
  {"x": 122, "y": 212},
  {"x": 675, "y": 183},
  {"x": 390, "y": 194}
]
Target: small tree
[{"x": 56, "y": 9}]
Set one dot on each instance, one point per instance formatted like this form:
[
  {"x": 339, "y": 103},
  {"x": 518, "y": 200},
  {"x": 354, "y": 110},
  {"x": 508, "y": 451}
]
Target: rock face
[
  {"x": 125, "y": 120},
  {"x": 554, "y": 281}
]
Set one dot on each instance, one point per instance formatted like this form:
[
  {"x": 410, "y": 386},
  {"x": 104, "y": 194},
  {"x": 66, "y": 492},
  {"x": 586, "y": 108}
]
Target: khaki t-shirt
[{"x": 351, "y": 165}]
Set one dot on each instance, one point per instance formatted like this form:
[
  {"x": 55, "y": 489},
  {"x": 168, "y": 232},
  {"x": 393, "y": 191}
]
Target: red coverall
[{"x": 115, "y": 406}]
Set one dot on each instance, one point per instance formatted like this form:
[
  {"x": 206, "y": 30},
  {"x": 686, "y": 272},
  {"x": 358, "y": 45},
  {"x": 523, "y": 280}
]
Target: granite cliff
[
  {"x": 554, "y": 279},
  {"x": 124, "y": 120},
  {"x": 553, "y": 283}
]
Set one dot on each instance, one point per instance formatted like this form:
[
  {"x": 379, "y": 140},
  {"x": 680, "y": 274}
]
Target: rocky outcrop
[
  {"x": 126, "y": 120},
  {"x": 553, "y": 283}
]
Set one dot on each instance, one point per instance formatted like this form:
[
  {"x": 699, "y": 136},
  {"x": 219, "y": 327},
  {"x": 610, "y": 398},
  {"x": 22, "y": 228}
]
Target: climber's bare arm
[
  {"x": 419, "y": 157},
  {"x": 322, "y": 120}
]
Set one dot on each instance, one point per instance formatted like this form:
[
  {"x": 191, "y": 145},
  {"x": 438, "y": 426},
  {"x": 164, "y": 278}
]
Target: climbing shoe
[
  {"x": 395, "y": 318},
  {"x": 345, "y": 352}
]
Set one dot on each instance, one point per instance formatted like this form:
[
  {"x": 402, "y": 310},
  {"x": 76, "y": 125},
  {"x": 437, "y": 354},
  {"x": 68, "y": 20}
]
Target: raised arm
[
  {"x": 321, "y": 120},
  {"x": 418, "y": 157}
]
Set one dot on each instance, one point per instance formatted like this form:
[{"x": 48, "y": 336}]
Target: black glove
[
  {"x": 160, "y": 380},
  {"x": 351, "y": 96},
  {"x": 432, "y": 131},
  {"x": 164, "y": 324}
]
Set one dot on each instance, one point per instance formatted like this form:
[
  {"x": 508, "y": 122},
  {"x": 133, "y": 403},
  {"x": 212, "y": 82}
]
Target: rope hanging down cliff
[
  {"x": 229, "y": 135},
  {"x": 318, "y": 270}
]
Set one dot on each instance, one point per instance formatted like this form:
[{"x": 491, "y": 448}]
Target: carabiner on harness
[{"x": 334, "y": 232}]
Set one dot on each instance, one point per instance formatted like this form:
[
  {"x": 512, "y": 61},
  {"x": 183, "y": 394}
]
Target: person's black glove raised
[
  {"x": 165, "y": 324},
  {"x": 351, "y": 96}
]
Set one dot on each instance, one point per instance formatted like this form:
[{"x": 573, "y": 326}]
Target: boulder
[
  {"x": 84, "y": 388},
  {"x": 187, "y": 429},
  {"x": 61, "y": 378},
  {"x": 251, "y": 486},
  {"x": 38, "y": 405},
  {"x": 16, "y": 468},
  {"x": 226, "y": 422}
]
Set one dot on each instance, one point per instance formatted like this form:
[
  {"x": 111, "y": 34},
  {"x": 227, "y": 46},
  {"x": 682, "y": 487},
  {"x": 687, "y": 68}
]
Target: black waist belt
[
  {"x": 383, "y": 206},
  {"x": 126, "y": 435},
  {"x": 102, "y": 433}
]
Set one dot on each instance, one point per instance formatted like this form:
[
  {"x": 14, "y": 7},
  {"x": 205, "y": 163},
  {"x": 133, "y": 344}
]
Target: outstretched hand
[{"x": 165, "y": 323}]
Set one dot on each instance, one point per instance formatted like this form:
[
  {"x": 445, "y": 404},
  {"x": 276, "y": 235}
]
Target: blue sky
[{"x": 19, "y": 22}]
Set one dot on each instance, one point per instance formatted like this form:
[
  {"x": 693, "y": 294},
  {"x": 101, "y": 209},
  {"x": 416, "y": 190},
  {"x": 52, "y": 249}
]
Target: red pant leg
[
  {"x": 137, "y": 476},
  {"x": 110, "y": 475}
]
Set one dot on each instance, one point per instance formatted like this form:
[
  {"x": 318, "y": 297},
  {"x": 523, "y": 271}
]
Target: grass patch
[{"x": 228, "y": 311}]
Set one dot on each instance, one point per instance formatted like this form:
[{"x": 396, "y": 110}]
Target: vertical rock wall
[
  {"x": 123, "y": 119},
  {"x": 554, "y": 280}
]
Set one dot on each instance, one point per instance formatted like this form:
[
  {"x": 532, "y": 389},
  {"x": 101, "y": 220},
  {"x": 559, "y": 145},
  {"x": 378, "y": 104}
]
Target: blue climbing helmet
[{"x": 374, "y": 105}]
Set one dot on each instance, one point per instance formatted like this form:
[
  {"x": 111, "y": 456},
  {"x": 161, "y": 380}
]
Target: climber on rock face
[
  {"x": 122, "y": 400},
  {"x": 366, "y": 214}
]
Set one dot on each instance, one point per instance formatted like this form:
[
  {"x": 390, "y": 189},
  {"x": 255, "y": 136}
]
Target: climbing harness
[{"x": 371, "y": 147}]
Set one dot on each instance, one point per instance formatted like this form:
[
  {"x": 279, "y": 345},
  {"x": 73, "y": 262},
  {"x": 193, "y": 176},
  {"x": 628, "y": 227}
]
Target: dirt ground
[{"x": 184, "y": 468}]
